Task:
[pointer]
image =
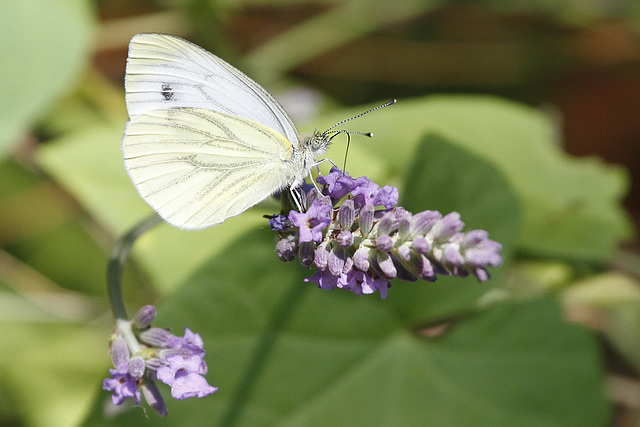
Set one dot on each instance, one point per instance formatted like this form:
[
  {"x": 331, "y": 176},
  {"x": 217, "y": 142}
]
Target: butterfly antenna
[
  {"x": 386, "y": 104},
  {"x": 335, "y": 133},
  {"x": 346, "y": 153}
]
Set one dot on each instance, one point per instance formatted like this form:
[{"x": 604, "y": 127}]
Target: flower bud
[
  {"x": 336, "y": 260},
  {"x": 154, "y": 398},
  {"x": 119, "y": 351},
  {"x": 361, "y": 258},
  {"x": 384, "y": 243},
  {"x": 345, "y": 238},
  {"x": 452, "y": 254},
  {"x": 481, "y": 274},
  {"x": 156, "y": 337},
  {"x": 346, "y": 214},
  {"x": 286, "y": 248},
  {"x": 423, "y": 221},
  {"x": 385, "y": 225},
  {"x": 306, "y": 253},
  {"x": 136, "y": 367},
  {"x": 144, "y": 317},
  {"x": 421, "y": 245},
  {"x": 404, "y": 224},
  {"x": 322, "y": 256},
  {"x": 386, "y": 265},
  {"x": 473, "y": 238},
  {"x": 446, "y": 227},
  {"x": 404, "y": 252},
  {"x": 426, "y": 269},
  {"x": 366, "y": 219}
]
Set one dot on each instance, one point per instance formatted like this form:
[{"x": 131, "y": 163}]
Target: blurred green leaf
[
  {"x": 88, "y": 163},
  {"x": 44, "y": 46},
  {"x": 95, "y": 101},
  {"x": 346, "y": 21},
  {"x": 284, "y": 352},
  {"x": 54, "y": 369},
  {"x": 67, "y": 255},
  {"x": 610, "y": 302},
  {"x": 571, "y": 208},
  {"x": 573, "y": 12}
]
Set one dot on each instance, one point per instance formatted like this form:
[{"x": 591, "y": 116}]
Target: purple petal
[
  {"x": 387, "y": 196},
  {"x": 122, "y": 386},
  {"x": 324, "y": 280},
  {"x": 190, "y": 385},
  {"x": 452, "y": 254},
  {"x": 338, "y": 183},
  {"x": 364, "y": 191}
]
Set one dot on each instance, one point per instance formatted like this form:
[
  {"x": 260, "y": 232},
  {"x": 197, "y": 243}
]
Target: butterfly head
[{"x": 319, "y": 142}]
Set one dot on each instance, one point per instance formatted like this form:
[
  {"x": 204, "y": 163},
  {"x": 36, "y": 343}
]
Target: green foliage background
[{"x": 282, "y": 352}]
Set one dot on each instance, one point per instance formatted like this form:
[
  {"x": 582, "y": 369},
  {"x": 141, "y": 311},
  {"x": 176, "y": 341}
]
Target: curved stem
[{"x": 116, "y": 264}]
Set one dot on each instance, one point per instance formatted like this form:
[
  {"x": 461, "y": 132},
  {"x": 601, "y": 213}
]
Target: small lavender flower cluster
[
  {"x": 157, "y": 354},
  {"x": 357, "y": 247}
]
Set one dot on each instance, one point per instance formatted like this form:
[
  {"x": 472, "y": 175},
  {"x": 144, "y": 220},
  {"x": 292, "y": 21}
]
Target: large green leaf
[
  {"x": 571, "y": 208},
  {"x": 283, "y": 352},
  {"x": 44, "y": 46}
]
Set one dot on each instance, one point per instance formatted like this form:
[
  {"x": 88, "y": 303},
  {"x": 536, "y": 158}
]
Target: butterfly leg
[
  {"x": 297, "y": 197},
  {"x": 317, "y": 166},
  {"x": 319, "y": 162}
]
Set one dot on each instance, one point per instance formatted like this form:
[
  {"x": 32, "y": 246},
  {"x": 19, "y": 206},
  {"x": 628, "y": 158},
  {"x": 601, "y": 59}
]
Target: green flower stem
[
  {"x": 124, "y": 327},
  {"x": 116, "y": 264}
]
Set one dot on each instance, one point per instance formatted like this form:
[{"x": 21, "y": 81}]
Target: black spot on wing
[{"x": 167, "y": 92}]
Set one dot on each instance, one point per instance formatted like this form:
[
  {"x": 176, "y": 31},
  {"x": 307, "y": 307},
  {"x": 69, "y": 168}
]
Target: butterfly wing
[
  {"x": 197, "y": 167},
  {"x": 165, "y": 71}
]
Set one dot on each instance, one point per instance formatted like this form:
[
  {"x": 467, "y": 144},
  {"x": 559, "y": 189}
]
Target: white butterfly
[{"x": 205, "y": 142}]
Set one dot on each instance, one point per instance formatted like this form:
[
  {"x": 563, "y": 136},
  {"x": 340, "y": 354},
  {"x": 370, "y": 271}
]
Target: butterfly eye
[{"x": 320, "y": 140}]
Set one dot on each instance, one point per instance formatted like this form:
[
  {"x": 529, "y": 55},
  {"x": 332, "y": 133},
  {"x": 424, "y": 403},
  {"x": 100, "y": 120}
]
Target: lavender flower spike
[
  {"x": 143, "y": 354},
  {"x": 365, "y": 241}
]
